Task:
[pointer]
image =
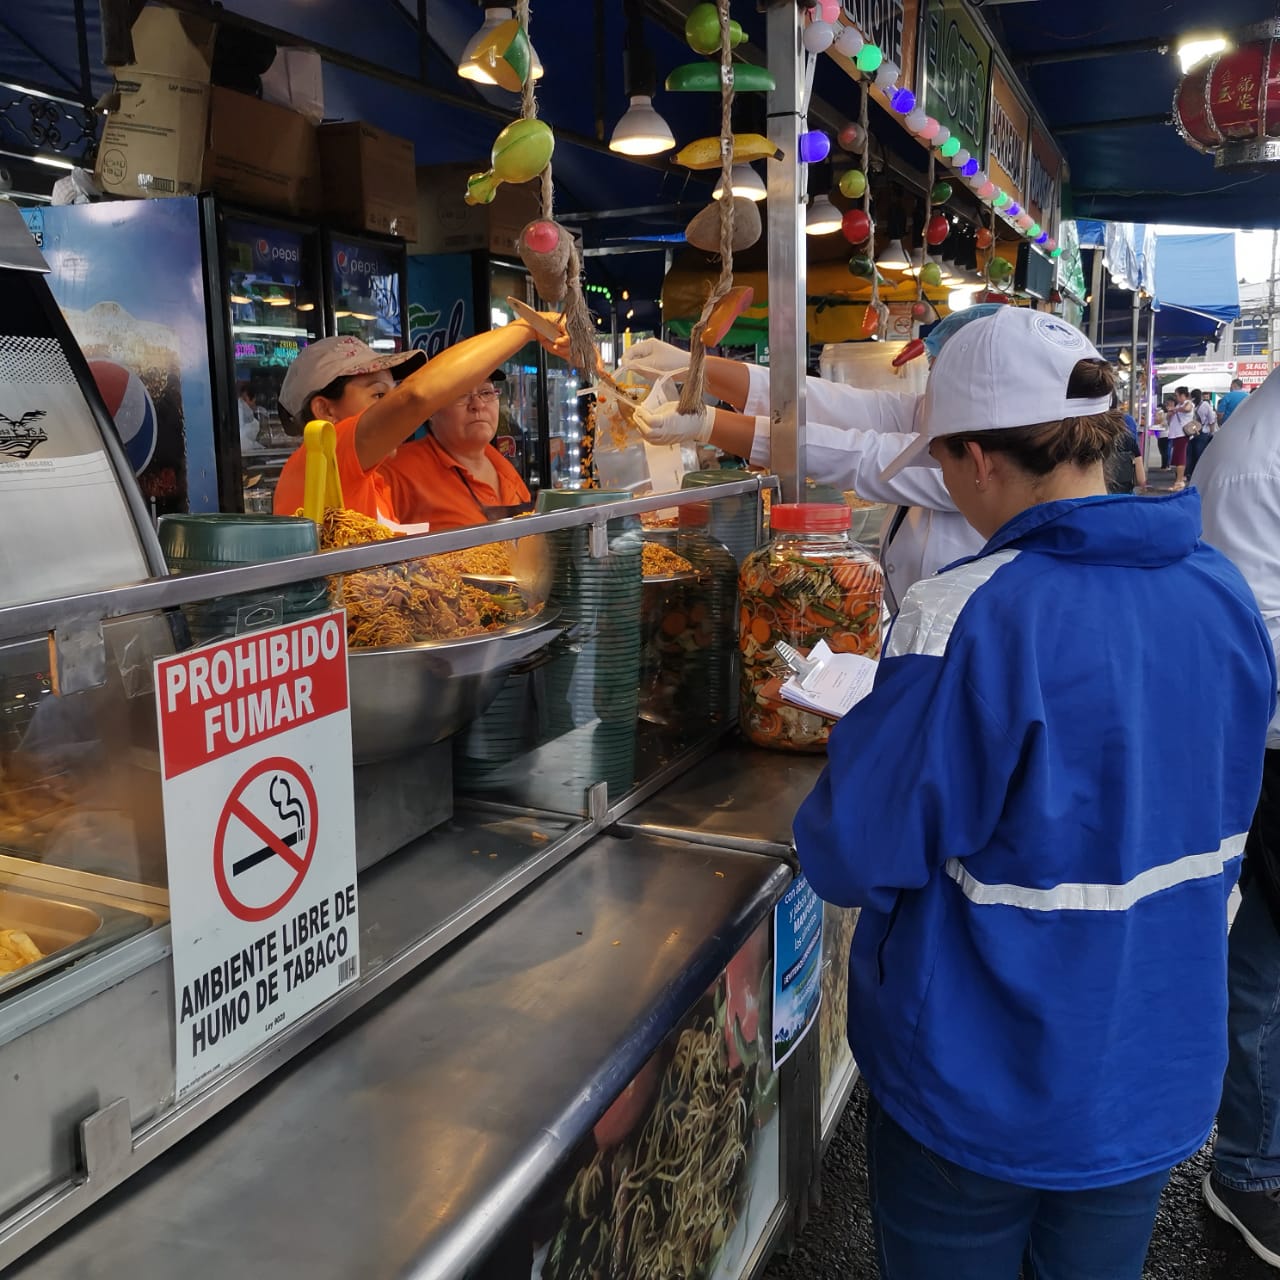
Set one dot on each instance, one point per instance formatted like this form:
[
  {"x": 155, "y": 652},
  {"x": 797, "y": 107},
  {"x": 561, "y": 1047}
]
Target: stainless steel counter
[
  {"x": 742, "y": 797},
  {"x": 404, "y": 1142}
]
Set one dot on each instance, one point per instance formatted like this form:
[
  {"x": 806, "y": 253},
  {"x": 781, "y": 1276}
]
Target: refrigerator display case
[
  {"x": 266, "y": 305},
  {"x": 365, "y": 288}
]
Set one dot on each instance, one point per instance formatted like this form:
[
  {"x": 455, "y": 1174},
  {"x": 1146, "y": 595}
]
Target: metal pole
[
  {"x": 1152, "y": 381},
  {"x": 1133, "y": 354},
  {"x": 788, "y": 337},
  {"x": 1271, "y": 305},
  {"x": 1098, "y": 301}
]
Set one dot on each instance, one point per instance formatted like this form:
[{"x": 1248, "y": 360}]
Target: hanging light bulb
[
  {"x": 494, "y": 16},
  {"x": 822, "y": 217},
  {"x": 894, "y": 258},
  {"x": 641, "y": 131},
  {"x": 746, "y": 182}
]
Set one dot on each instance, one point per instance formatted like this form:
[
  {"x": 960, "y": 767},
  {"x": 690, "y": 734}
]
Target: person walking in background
[
  {"x": 1182, "y": 416},
  {"x": 1239, "y": 483},
  {"x": 1042, "y": 916},
  {"x": 1163, "y": 414},
  {"x": 1204, "y": 424},
  {"x": 1232, "y": 400}
]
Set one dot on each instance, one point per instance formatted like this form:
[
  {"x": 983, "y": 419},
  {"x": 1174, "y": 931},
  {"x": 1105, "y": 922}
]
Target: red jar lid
[{"x": 810, "y": 517}]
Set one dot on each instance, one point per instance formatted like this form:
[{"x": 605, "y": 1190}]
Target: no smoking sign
[{"x": 266, "y": 838}]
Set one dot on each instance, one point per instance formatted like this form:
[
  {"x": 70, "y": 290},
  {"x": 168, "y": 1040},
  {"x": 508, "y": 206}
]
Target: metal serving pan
[
  {"x": 418, "y": 694},
  {"x": 65, "y": 931}
]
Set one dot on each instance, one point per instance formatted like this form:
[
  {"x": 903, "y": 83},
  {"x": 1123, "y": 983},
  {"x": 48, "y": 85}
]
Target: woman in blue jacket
[{"x": 1038, "y": 978}]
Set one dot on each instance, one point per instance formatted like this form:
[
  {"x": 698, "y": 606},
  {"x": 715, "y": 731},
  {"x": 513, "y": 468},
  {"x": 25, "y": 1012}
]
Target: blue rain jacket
[{"x": 1041, "y": 809}]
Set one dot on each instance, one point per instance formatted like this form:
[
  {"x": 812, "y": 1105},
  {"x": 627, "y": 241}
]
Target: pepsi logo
[
  {"x": 264, "y": 248},
  {"x": 131, "y": 409}
]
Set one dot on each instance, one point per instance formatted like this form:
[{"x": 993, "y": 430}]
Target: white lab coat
[
  {"x": 1239, "y": 482},
  {"x": 851, "y": 435}
]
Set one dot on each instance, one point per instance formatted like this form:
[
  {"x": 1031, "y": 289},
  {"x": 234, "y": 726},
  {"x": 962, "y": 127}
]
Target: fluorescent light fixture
[
  {"x": 306, "y": 306},
  {"x": 641, "y": 131},
  {"x": 494, "y": 16},
  {"x": 241, "y": 299},
  {"x": 50, "y": 163},
  {"x": 383, "y": 344},
  {"x": 894, "y": 258},
  {"x": 746, "y": 182},
  {"x": 822, "y": 217},
  {"x": 1193, "y": 52}
]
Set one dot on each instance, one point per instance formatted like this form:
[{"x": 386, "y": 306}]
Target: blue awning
[{"x": 1197, "y": 274}]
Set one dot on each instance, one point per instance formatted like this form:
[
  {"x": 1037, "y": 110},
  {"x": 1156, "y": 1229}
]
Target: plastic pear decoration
[
  {"x": 505, "y": 56},
  {"x": 703, "y": 232},
  {"x": 520, "y": 152}
]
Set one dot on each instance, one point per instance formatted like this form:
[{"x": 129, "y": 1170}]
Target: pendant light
[
  {"x": 642, "y": 131},
  {"x": 494, "y": 16},
  {"x": 822, "y": 217},
  {"x": 894, "y": 258},
  {"x": 746, "y": 183}
]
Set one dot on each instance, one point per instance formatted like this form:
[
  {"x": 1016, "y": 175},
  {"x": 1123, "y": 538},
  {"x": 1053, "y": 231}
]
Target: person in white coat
[{"x": 851, "y": 436}]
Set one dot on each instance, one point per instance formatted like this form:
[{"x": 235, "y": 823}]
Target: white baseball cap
[
  {"x": 319, "y": 363},
  {"x": 1007, "y": 370}
]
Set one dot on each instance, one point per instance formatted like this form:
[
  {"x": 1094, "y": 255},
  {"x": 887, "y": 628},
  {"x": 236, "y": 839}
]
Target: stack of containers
[
  {"x": 732, "y": 522},
  {"x": 203, "y": 543}
]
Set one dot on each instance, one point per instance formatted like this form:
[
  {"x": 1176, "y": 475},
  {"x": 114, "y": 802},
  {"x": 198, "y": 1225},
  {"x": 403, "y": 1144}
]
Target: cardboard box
[
  {"x": 369, "y": 179},
  {"x": 166, "y": 43},
  {"x": 447, "y": 224},
  {"x": 153, "y": 142},
  {"x": 153, "y": 138},
  {"x": 261, "y": 154}
]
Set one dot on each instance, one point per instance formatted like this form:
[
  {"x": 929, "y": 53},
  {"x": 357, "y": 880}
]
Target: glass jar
[{"x": 811, "y": 582}]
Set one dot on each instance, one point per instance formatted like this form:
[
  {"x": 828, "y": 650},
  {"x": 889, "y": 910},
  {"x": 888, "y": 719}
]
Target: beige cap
[{"x": 320, "y": 363}]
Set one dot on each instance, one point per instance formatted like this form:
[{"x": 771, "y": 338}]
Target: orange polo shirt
[
  {"x": 368, "y": 492},
  {"x": 428, "y": 485}
]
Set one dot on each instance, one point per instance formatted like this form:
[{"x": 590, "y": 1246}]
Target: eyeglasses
[{"x": 483, "y": 394}]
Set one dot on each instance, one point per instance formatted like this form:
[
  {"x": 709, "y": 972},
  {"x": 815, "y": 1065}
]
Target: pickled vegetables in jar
[{"x": 810, "y": 583}]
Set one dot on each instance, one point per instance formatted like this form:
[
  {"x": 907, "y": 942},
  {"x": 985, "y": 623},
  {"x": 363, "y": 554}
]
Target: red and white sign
[{"x": 255, "y": 750}]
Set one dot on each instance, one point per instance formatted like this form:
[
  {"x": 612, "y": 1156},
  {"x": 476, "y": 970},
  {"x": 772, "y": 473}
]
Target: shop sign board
[
  {"x": 1253, "y": 373},
  {"x": 1007, "y": 143},
  {"x": 255, "y": 751},
  {"x": 956, "y": 71},
  {"x": 797, "y": 967},
  {"x": 1174, "y": 368},
  {"x": 1044, "y": 174},
  {"x": 891, "y": 24}
]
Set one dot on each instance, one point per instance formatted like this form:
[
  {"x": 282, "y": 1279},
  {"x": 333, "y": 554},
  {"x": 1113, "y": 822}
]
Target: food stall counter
[
  {"x": 741, "y": 797},
  {"x": 413, "y": 1139}
]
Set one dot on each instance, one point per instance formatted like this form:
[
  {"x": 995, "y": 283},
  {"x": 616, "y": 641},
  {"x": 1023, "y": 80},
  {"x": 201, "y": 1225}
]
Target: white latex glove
[
  {"x": 651, "y": 358},
  {"x": 665, "y": 424}
]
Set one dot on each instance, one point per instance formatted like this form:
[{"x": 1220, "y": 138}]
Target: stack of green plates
[
  {"x": 733, "y": 522},
  {"x": 201, "y": 543},
  {"x": 579, "y": 709}
]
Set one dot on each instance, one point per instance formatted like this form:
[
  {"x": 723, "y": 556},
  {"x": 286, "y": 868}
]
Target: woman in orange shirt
[{"x": 376, "y": 402}]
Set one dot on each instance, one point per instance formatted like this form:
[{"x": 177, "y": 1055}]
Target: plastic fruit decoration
[
  {"x": 520, "y": 152},
  {"x": 984, "y": 238},
  {"x": 999, "y": 270},
  {"x": 862, "y": 266},
  {"x": 852, "y": 137},
  {"x": 871, "y": 318},
  {"x": 704, "y": 77},
  {"x": 545, "y": 248},
  {"x": 937, "y": 229},
  {"x": 908, "y": 353},
  {"x": 941, "y": 192},
  {"x": 931, "y": 274},
  {"x": 703, "y": 232},
  {"x": 505, "y": 56},
  {"x": 725, "y": 312},
  {"x": 853, "y": 183},
  {"x": 705, "y": 152},
  {"x": 922, "y": 312},
  {"x": 856, "y": 226},
  {"x": 702, "y": 31}
]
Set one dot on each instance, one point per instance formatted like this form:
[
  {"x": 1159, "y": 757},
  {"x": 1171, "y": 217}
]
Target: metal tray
[{"x": 64, "y": 930}]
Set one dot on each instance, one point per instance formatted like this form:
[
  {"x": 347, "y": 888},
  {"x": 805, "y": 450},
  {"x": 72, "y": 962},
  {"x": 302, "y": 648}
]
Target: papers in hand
[{"x": 835, "y": 683}]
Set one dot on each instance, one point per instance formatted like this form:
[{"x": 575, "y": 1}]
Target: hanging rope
[
  {"x": 864, "y": 120},
  {"x": 924, "y": 234},
  {"x": 578, "y": 322},
  {"x": 695, "y": 383}
]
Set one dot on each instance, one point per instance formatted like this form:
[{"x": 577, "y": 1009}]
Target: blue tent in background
[{"x": 1196, "y": 288}]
